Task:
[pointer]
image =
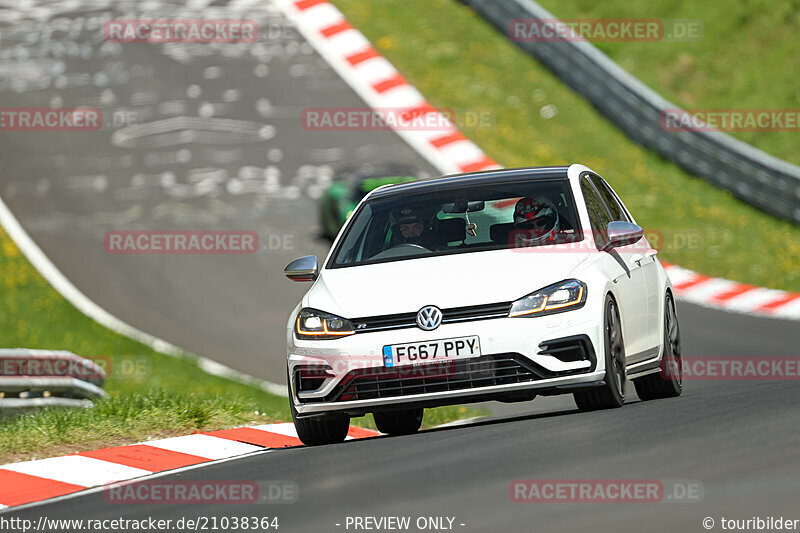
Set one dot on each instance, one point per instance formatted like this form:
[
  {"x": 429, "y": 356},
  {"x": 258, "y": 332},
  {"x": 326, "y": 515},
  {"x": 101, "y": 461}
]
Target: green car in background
[{"x": 350, "y": 185}]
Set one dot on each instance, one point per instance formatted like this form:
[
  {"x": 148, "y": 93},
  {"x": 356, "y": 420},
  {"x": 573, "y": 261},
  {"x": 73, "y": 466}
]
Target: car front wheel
[
  {"x": 321, "y": 430},
  {"x": 612, "y": 393},
  {"x": 327, "y": 429}
]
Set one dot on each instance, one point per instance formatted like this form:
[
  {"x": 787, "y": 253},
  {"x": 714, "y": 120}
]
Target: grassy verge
[
  {"x": 129, "y": 417},
  {"x": 747, "y": 59},
  {"x": 458, "y": 61},
  {"x": 151, "y": 395}
]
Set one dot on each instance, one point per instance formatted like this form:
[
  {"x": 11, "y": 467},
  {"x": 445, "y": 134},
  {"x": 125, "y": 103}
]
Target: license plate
[{"x": 416, "y": 353}]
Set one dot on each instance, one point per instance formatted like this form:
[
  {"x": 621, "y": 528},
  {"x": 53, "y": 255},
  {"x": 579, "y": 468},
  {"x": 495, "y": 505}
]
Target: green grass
[
  {"x": 126, "y": 417},
  {"x": 748, "y": 58},
  {"x": 459, "y": 61},
  {"x": 151, "y": 394}
]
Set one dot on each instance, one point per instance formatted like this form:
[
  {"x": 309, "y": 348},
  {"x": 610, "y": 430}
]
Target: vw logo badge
[{"x": 429, "y": 317}]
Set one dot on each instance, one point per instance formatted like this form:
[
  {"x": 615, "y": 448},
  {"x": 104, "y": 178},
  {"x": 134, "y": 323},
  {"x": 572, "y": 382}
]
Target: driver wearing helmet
[{"x": 536, "y": 221}]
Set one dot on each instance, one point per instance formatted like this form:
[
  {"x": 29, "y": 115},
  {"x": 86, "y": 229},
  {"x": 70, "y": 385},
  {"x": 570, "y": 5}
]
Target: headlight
[
  {"x": 313, "y": 324},
  {"x": 562, "y": 296}
]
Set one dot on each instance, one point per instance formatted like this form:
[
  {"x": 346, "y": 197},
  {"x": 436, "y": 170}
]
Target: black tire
[
  {"x": 328, "y": 429},
  {"x": 668, "y": 383},
  {"x": 399, "y": 422},
  {"x": 612, "y": 393}
]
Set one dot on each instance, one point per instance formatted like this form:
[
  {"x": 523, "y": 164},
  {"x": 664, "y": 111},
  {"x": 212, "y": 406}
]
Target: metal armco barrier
[
  {"x": 764, "y": 181},
  {"x": 35, "y": 379}
]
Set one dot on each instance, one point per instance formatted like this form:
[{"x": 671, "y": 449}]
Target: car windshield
[{"x": 466, "y": 219}]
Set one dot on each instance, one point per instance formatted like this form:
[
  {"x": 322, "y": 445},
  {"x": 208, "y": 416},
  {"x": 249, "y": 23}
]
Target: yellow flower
[
  {"x": 385, "y": 43},
  {"x": 543, "y": 152},
  {"x": 9, "y": 249}
]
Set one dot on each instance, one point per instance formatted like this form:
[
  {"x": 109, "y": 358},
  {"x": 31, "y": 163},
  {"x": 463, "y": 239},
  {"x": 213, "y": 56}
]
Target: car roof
[
  {"x": 471, "y": 178},
  {"x": 364, "y": 171}
]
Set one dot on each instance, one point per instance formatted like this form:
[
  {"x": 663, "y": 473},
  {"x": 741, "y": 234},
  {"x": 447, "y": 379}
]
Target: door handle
[{"x": 638, "y": 258}]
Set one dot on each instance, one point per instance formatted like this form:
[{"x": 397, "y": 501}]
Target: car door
[
  {"x": 645, "y": 257},
  {"x": 625, "y": 272}
]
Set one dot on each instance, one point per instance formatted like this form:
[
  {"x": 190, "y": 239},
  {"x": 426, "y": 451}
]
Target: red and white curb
[
  {"x": 380, "y": 85},
  {"x": 34, "y": 481},
  {"x": 732, "y": 296}
]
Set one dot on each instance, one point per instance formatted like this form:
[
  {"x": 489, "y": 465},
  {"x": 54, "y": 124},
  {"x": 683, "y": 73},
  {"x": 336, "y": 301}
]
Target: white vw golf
[{"x": 498, "y": 285}]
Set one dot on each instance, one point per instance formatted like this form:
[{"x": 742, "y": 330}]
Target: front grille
[
  {"x": 449, "y": 316},
  {"x": 465, "y": 374},
  {"x": 475, "y": 312},
  {"x": 381, "y": 323}
]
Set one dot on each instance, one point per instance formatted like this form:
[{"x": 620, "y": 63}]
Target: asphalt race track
[{"x": 739, "y": 439}]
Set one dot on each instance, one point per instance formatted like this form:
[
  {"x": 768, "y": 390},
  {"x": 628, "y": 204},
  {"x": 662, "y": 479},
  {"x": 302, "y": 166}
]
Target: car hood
[{"x": 446, "y": 281}]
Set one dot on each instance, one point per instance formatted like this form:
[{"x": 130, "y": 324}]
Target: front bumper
[{"x": 519, "y": 357}]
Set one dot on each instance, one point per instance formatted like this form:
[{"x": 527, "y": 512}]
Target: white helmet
[{"x": 536, "y": 220}]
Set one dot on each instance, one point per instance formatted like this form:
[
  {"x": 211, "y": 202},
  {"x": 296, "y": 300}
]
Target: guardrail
[
  {"x": 34, "y": 379},
  {"x": 764, "y": 181}
]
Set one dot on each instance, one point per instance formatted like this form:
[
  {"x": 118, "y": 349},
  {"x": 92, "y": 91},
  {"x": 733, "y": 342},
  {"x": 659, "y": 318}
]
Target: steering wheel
[
  {"x": 400, "y": 250},
  {"x": 409, "y": 245}
]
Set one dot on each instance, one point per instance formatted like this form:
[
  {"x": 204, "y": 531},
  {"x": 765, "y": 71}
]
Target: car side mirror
[
  {"x": 303, "y": 269},
  {"x": 622, "y": 234}
]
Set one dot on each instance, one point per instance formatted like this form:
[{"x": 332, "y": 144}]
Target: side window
[
  {"x": 598, "y": 214},
  {"x": 617, "y": 211}
]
